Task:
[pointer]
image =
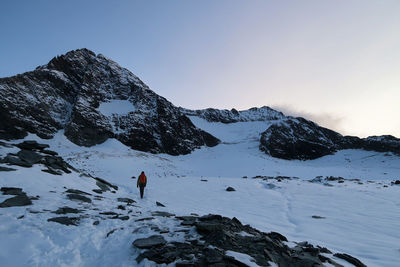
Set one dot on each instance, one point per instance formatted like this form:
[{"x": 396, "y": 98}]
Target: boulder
[
  {"x": 149, "y": 242},
  {"x": 79, "y": 198},
  {"x": 18, "y": 200},
  {"x": 65, "y": 210},
  {"x": 230, "y": 189},
  {"x": 65, "y": 220},
  {"x": 12, "y": 191}
]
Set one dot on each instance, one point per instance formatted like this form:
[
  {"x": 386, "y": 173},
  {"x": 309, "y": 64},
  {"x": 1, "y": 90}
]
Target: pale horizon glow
[{"x": 334, "y": 62}]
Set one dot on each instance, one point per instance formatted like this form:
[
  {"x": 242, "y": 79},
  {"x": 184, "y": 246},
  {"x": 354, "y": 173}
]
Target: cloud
[{"x": 324, "y": 119}]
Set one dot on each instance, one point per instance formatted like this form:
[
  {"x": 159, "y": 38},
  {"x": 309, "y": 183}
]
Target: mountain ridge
[{"x": 67, "y": 93}]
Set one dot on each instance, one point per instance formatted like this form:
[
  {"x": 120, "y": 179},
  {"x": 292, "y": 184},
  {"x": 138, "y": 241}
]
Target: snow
[
  {"x": 117, "y": 107},
  {"x": 246, "y": 259},
  {"x": 361, "y": 218}
]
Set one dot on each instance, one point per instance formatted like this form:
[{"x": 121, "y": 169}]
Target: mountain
[
  {"x": 92, "y": 99},
  {"x": 75, "y": 92}
]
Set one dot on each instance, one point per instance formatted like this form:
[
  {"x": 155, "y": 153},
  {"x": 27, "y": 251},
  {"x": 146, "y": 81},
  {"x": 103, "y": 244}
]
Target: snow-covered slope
[{"x": 356, "y": 211}]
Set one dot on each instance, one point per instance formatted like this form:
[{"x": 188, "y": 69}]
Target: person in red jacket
[{"x": 141, "y": 183}]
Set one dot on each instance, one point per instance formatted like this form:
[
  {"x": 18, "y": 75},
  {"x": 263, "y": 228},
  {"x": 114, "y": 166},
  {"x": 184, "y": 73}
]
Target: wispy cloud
[{"x": 326, "y": 120}]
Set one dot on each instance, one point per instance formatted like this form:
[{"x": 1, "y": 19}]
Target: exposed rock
[
  {"x": 12, "y": 191},
  {"x": 14, "y": 160},
  {"x": 220, "y": 234},
  {"x": 66, "y": 94},
  {"x": 397, "y": 182},
  {"x": 298, "y": 138},
  {"x": 230, "y": 189},
  {"x": 52, "y": 171},
  {"x": 98, "y": 191},
  {"x": 356, "y": 262},
  {"x": 31, "y": 145},
  {"x": 5, "y": 169},
  {"x": 110, "y": 213},
  {"x": 49, "y": 152},
  {"x": 111, "y": 232},
  {"x": 79, "y": 198},
  {"x": 149, "y": 242},
  {"x": 162, "y": 214},
  {"x": 318, "y": 217},
  {"x": 31, "y": 157},
  {"x": 65, "y": 210},
  {"x": 18, "y": 200},
  {"x": 104, "y": 185},
  {"x": 65, "y": 220},
  {"x": 144, "y": 219},
  {"x": 76, "y": 191},
  {"x": 126, "y": 200},
  {"x": 159, "y": 204},
  {"x": 232, "y": 116}
]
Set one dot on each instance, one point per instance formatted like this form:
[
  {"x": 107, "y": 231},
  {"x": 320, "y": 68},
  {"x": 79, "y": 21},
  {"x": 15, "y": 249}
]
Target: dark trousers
[{"x": 141, "y": 187}]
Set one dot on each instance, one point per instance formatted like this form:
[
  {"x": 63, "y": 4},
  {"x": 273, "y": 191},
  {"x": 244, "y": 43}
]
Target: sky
[{"x": 336, "y": 62}]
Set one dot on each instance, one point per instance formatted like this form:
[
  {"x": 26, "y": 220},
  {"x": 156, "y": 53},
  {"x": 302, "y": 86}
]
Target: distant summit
[{"x": 92, "y": 99}]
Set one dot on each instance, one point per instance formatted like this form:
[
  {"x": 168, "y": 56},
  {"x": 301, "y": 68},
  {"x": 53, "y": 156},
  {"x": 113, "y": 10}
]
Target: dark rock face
[
  {"x": 231, "y": 116},
  {"x": 298, "y": 138},
  {"x": 67, "y": 93},
  {"x": 230, "y": 189}
]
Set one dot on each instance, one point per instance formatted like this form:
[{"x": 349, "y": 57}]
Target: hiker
[{"x": 141, "y": 183}]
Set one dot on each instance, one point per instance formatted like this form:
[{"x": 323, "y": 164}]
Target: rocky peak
[{"x": 69, "y": 92}]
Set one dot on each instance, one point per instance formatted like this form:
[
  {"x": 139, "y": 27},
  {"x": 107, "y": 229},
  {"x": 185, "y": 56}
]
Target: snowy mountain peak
[{"x": 74, "y": 92}]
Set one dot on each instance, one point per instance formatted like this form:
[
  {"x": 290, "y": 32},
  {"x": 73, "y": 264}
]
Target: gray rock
[
  {"x": 31, "y": 145},
  {"x": 13, "y": 160},
  {"x": 65, "y": 210},
  {"x": 162, "y": 214},
  {"x": 5, "y": 169},
  {"x": 19, "y": 200},
  {"x": 126, "y": 200},
  {"x": 65, "y": 220},
  {"x": 149, "y": 242},
  {"x": 76, "y": 191},
  {"x": 159, "y": 204},
  {"x": 230, "y": 189},
  {"x": 29, "y": 156},
  {"x": 52, "y": 171},
  {"x": 12, "y": 191},
  {"x": 356, "y": 262},
  {"x": 79, "y": 198}
]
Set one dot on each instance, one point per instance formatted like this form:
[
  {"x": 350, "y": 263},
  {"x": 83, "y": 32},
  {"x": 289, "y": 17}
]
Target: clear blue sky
[{"x": 336, "y": 62}]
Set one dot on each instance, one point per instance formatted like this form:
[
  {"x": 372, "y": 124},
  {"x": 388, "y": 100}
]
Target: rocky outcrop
[
  {"x": 231, "y": 116},
  {"x": 68, "y": 92},
  {"x": 298, "y": 138},
  {"x": 221, "y": 237},
  {"x": 32, "y": 153}
]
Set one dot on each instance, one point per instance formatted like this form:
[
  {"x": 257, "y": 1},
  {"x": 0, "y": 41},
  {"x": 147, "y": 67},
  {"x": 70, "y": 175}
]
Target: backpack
[{"x": 142, "y": 179}]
